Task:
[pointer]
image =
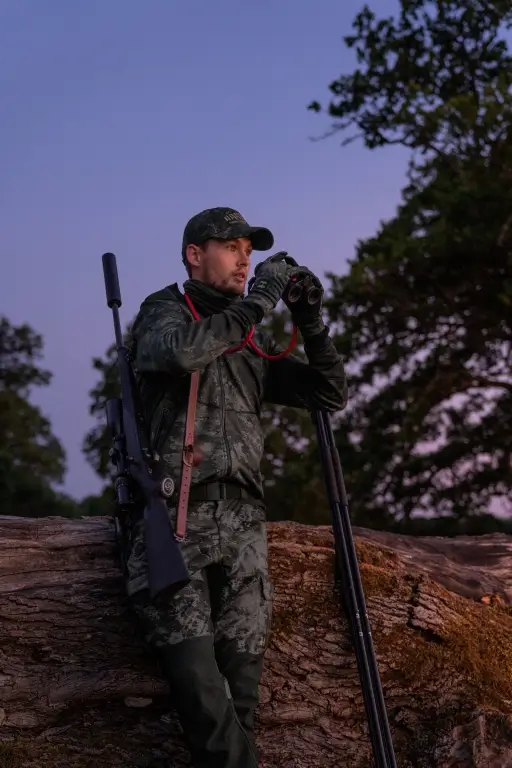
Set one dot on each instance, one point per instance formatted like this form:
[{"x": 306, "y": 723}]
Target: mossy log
[{"x": 79, "y": 688}]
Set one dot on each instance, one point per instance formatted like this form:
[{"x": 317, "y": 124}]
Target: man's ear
[{"x": 194, "y": 255}]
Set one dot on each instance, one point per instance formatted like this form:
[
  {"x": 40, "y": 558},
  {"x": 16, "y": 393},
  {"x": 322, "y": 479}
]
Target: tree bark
[{"x": 78, "y": 687}]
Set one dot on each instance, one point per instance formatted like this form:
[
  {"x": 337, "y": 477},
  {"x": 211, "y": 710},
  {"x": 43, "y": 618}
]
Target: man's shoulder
[
  {"x": 167, "y": 302},
  {"x": 171, "y": 293},
  {"x": 169, "y": 299}
]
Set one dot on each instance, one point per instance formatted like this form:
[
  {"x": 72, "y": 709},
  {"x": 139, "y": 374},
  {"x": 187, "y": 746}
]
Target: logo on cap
[{"x": 234, "y": 216}]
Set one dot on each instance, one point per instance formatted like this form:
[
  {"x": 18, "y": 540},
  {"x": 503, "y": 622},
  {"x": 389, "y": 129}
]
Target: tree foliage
[
  {"x": 425, "y": 310},
  {"x": 98, "y": 442},
  {"x": 31, "y": 457}
]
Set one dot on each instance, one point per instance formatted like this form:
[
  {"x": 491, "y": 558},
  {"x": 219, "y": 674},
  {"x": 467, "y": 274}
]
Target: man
[{"x": 211, "y": 637}]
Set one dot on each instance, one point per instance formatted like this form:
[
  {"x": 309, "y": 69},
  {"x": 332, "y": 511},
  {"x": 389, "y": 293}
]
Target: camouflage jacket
[{"x": 169, "y": 345}]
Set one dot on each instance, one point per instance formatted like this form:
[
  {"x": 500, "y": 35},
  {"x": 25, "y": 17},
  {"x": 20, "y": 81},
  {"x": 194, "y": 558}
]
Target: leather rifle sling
[{"x": 188, "y": 457}]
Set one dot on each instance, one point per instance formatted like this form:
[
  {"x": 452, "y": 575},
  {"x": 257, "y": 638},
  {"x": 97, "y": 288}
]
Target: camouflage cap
[{"x": 224, "y": 224}]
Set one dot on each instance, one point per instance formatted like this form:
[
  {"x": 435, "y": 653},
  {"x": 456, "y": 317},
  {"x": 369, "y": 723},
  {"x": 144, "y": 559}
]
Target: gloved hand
[
  {"x": 307, "y": 310},
  {"x": 270, "y": 279}
]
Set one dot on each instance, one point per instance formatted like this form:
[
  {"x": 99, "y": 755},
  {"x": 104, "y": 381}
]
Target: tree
[
  {"x": 425, "y": 309},
  {"x": 99, "y": 504},
  {"x": 290, "y": 464},
  {"x": 31, "y": 457},
  {"x": 441, "y": 626},
  {"x": 98, "y": 442}
]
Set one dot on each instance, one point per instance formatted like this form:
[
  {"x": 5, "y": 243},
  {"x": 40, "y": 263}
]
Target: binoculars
[{"x": 298, "y": 284}]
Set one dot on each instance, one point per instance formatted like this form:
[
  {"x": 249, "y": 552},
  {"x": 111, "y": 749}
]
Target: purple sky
[{"x": 122, "y": 119}]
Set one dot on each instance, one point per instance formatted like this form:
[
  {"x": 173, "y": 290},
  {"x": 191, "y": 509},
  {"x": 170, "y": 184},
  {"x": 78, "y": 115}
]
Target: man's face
[{"x": 223, "y": 264}]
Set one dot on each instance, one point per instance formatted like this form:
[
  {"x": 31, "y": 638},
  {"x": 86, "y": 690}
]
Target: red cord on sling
[{"x": 248, "y": 338}]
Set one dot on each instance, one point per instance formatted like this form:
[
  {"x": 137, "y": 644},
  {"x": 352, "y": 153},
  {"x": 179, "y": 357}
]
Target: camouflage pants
[
  {"x": 229, "y": 595},
  {"x": 211, "y": 636}
]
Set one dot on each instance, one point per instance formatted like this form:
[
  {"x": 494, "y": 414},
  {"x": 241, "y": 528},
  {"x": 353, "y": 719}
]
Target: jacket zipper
[
  {"x": 160, "y": 429},
  {"x": 223, "y": 418}
]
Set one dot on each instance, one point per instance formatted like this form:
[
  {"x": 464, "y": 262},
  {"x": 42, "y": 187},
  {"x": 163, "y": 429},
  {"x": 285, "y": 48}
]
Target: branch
[
  {"x": 482, "y": 381},
  {"x": 505, "y": 232}
]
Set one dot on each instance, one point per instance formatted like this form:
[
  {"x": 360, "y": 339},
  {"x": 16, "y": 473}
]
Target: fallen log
[{"x": 79, "y": 688}]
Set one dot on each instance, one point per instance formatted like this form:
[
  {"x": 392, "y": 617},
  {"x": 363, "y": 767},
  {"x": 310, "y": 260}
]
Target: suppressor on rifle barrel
[{"x": 112, "y": 288}]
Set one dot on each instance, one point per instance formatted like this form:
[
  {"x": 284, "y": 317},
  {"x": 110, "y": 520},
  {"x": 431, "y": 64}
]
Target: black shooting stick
[
  {"x": 352, "y": 596},
  {"x": 140, "y": 481},
  {"x": 353, "y": 599}
]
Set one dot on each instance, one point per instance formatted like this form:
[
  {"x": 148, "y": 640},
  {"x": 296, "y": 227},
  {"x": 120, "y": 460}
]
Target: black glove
[
  {"x": 306, "y": 310},
  {"x": 270, "y": 279}
]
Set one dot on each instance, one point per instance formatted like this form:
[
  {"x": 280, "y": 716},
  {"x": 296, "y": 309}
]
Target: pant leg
[
  {"x": 242, "y": 620},
  {"x": 243, "y": 673},
  {"x": 181, "y": 632}
]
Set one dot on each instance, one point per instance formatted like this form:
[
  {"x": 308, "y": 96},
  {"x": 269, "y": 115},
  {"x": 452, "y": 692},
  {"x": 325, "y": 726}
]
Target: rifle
[{"x": 139, "y": 477}]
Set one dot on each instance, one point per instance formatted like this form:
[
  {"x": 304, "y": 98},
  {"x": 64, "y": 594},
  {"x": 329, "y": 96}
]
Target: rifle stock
[{"x": 139, "y": 474}]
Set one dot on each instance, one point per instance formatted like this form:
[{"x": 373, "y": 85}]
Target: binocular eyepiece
[{"x": 299, "y": 284}]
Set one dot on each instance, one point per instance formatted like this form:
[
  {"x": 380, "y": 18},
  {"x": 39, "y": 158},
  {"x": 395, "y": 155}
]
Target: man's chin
[{"x": 235, "y": 288}]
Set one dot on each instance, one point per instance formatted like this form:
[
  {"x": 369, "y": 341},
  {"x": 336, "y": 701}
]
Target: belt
[{"x": 218, "y": 492}]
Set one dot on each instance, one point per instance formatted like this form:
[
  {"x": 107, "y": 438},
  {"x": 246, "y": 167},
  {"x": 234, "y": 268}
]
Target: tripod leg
[
  {"x": 353, "y": 597},
  {"x": 367, "y": 633}
]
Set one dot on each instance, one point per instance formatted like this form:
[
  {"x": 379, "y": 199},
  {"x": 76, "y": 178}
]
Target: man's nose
[{"x": 244, "y": 258}]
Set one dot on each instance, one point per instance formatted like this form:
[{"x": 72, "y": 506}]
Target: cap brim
[{"x": 261, "y": 238}]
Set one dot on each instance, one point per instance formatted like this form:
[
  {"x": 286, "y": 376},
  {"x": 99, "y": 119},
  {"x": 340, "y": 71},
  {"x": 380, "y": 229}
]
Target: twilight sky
[{"x": 123, "y": 118}]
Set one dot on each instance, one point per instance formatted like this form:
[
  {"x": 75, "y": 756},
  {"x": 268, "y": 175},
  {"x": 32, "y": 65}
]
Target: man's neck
[{"x": 208, "y": 299}]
